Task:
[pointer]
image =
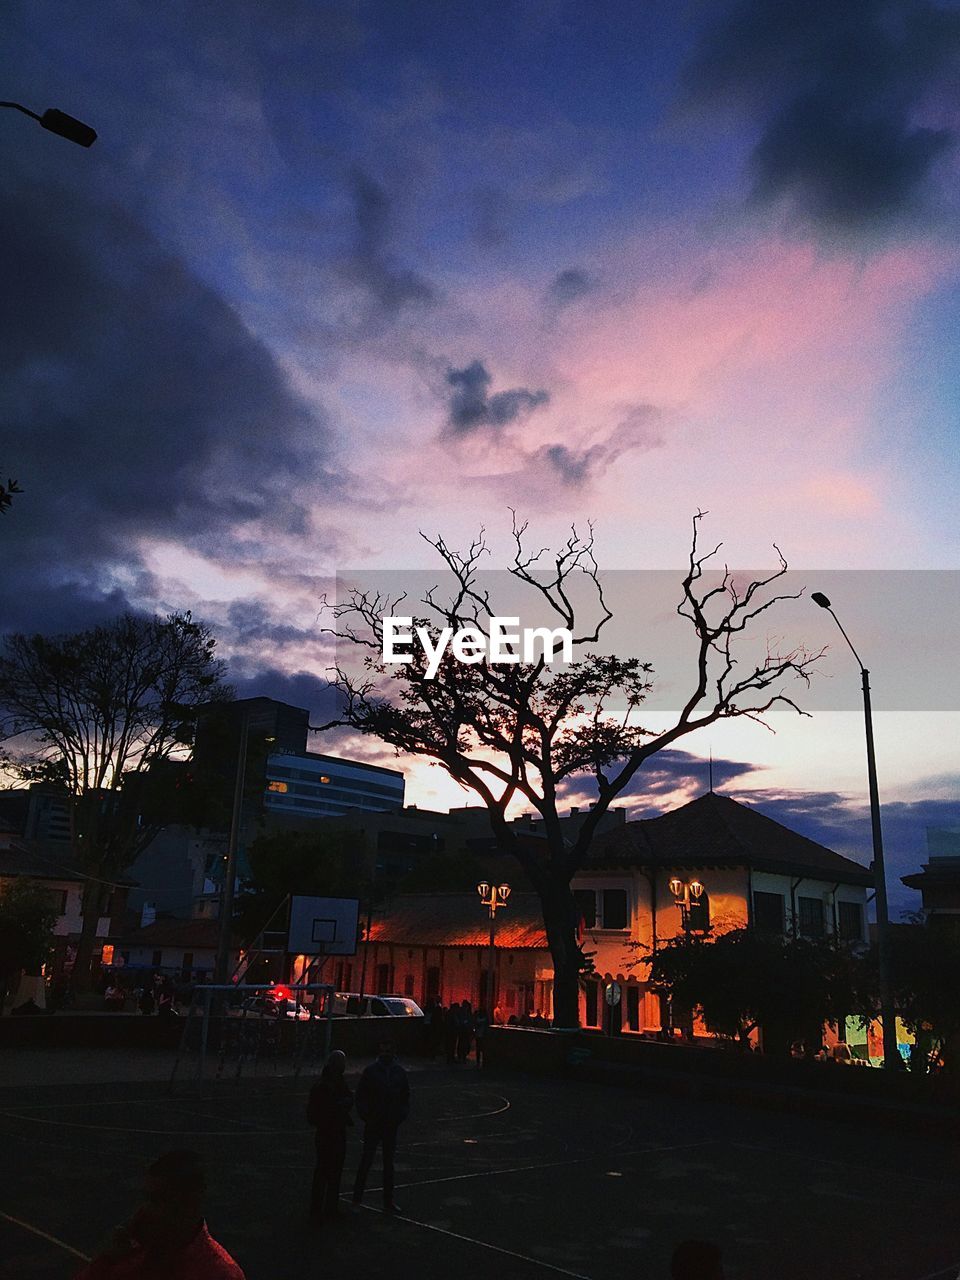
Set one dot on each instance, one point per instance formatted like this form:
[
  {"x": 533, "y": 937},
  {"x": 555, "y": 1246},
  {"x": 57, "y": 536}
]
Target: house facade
[{"x": 634, "y": 894}]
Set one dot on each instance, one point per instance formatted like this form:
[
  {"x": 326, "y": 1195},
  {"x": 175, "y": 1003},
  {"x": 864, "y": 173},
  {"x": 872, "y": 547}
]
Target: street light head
[
  {"x": 819, "y": 598},
  {"x": 67, "y": 127},
  {"x": 503, "y": 892},
  {"x": 696, "y": 889},
  {"x": 676, "y": 886},
  {"x": 483, "y": 889}
]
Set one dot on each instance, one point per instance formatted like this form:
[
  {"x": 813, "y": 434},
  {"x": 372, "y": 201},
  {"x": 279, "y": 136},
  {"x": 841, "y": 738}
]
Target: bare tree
[
  {"x": 519, "y": 731},
  {"x": 93, "y": 712}
]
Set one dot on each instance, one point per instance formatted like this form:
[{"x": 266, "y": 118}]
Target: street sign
[{"x": 611, "y": 993}]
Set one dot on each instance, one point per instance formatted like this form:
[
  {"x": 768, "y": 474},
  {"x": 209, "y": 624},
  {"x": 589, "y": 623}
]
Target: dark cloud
[
  {"x": 577, "y": 467},
  {"x": 373, "y": 264},
  {"x": 135, "y": 404},
  {"x": 568, "y": 286},
  {"x": 654, "y": 789},
  {"x": 472, "y": 406},
  {"x": 298, "y": 689},
  {"x": 251, "y": 624},
  {"x": 838, "y": 92}
]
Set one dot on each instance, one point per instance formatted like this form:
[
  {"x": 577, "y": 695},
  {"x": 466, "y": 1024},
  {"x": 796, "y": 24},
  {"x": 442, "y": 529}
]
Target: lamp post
[
  {"x": 493, "y": 898},
  {"x": 887, "y": 1012},
  {"x": 60, "y": 123},
  {"x": 686, "y": 893}
]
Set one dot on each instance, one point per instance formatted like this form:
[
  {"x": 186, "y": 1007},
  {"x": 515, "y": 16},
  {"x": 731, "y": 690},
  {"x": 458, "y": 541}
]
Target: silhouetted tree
[
  {"x": 27, "y": 917},
  {"x": 742, "y": 980},
  {"x": 518, "y": 732},
  {"x": 926, "y": 968},
  {"x": 6, "y": 494},
  {"x": 95, "y": 711}
]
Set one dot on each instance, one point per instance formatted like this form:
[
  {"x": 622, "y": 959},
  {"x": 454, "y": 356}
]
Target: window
[
  {"x": 157, "y": 960},
  {"x": 408, "y": 985},
  {"x": 811, "y": 917},
  {"x": 768, "y": 912},
  {"x": 615, "y": 909},
  {"x": 433, "y": 982},
  {"x": 850, "y": 921},
  {"x": 187, "y": 966},
  {"x": 602, "y": 908},
  {"x": 58, "y": 901},
  {"x": 384, "y": 979},
  {"x": 586, "y": 900}
]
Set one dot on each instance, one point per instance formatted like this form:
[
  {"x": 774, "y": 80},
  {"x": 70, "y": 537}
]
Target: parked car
[
  {"x": 267, "y": 1007},
  {"x": 347, "y": 1004}
]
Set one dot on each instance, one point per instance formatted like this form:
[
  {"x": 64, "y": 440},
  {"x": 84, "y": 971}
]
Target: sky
[{"x": 336, "y": 274}]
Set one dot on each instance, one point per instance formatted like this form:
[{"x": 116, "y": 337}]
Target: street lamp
[
  {"x": 891, "y": 1053},
  {"x": 493, "y": 898},
  {"x": 60, "y": 123},
  {"x": 686, "y": 894}
]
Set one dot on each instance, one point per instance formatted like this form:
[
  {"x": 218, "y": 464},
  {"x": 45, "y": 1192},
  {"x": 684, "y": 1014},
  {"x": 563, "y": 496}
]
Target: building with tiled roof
[{"x": 633, "y": 895}]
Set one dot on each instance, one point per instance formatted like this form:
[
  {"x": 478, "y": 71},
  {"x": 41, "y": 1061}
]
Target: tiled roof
[
  {"x": 715, "y": 830},
  {"x": 459, "y": 920}
]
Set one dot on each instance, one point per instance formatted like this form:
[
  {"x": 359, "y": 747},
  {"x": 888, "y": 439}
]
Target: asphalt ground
[{"x": 515, "y": 1177}]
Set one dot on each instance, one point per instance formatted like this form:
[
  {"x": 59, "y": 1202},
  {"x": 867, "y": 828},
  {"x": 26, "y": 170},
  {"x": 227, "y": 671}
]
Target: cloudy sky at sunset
[{"x": 333, "y": 274}]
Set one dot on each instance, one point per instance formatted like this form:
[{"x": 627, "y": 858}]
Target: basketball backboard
[{"x": 323, "y": 926}]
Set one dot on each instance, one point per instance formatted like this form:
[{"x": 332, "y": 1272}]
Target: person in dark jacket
[
  {"x": 480, "y": 1024},
  {"x": 465, "y": 1031},
  {"x": 451, "y": 1032},
  {"x": 383, "y": 1100},
  {"x": 328, "y": 1110}
]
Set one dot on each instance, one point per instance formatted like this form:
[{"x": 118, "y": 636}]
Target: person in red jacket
[{"x": 167, "y": 1236}]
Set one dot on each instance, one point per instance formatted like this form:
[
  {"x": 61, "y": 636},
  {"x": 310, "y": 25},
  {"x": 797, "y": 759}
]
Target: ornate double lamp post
[
  {"x": 493, "y": 898},
  {"x": 686, "y": 894}
]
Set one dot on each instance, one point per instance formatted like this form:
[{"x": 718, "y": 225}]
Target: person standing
[
  {"x": 328, "y": 1110},
  {"x": 464, "y": 1031},
  {"x": 451, "y": 1032},
  {"x": 383, "y": 1101},
  {"x": 480, "y": 1024}
]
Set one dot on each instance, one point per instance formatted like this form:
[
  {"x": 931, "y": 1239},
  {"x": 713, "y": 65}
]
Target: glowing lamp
[
  {"x": 676, "y": 886},
  {"x": 696, "y": 889},
  {"x": 483, "y": 889},
  {"x": 503, "y": 892}
]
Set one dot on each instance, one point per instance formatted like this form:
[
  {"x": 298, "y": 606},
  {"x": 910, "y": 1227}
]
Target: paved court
[{"x": 498, "y": 1175}]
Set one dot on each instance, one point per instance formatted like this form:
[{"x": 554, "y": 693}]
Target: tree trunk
[
  {"x": 559, "y": 917},
  {"x": 82, "y": 979}
]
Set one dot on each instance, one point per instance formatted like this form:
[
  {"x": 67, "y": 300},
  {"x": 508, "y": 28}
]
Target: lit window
[
  {"x": 324, "y": 778},
  {"x": 106, "y": 956},
  {"x": 279, "y": 787}
]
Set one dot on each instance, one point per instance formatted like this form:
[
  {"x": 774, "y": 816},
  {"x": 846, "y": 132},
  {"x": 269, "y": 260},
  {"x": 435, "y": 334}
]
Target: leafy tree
[
  {"x": 742, "y": 980},
  {"x": 926, "y": 971},
  {"x": 519, "y": 732},
  {"x": 96, "y": 710},
  {"x": 326, "y": 864},
  {"x": 27, "y": 918}
]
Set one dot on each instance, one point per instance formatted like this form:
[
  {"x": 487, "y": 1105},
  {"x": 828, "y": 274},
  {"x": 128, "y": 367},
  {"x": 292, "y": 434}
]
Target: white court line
[
  {"x": 45, "y": 1235},
  {"x": 496, "y": 1248},
  {"x": 551, "y": 1164},
  {"x": 946, "y": 1273}
]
